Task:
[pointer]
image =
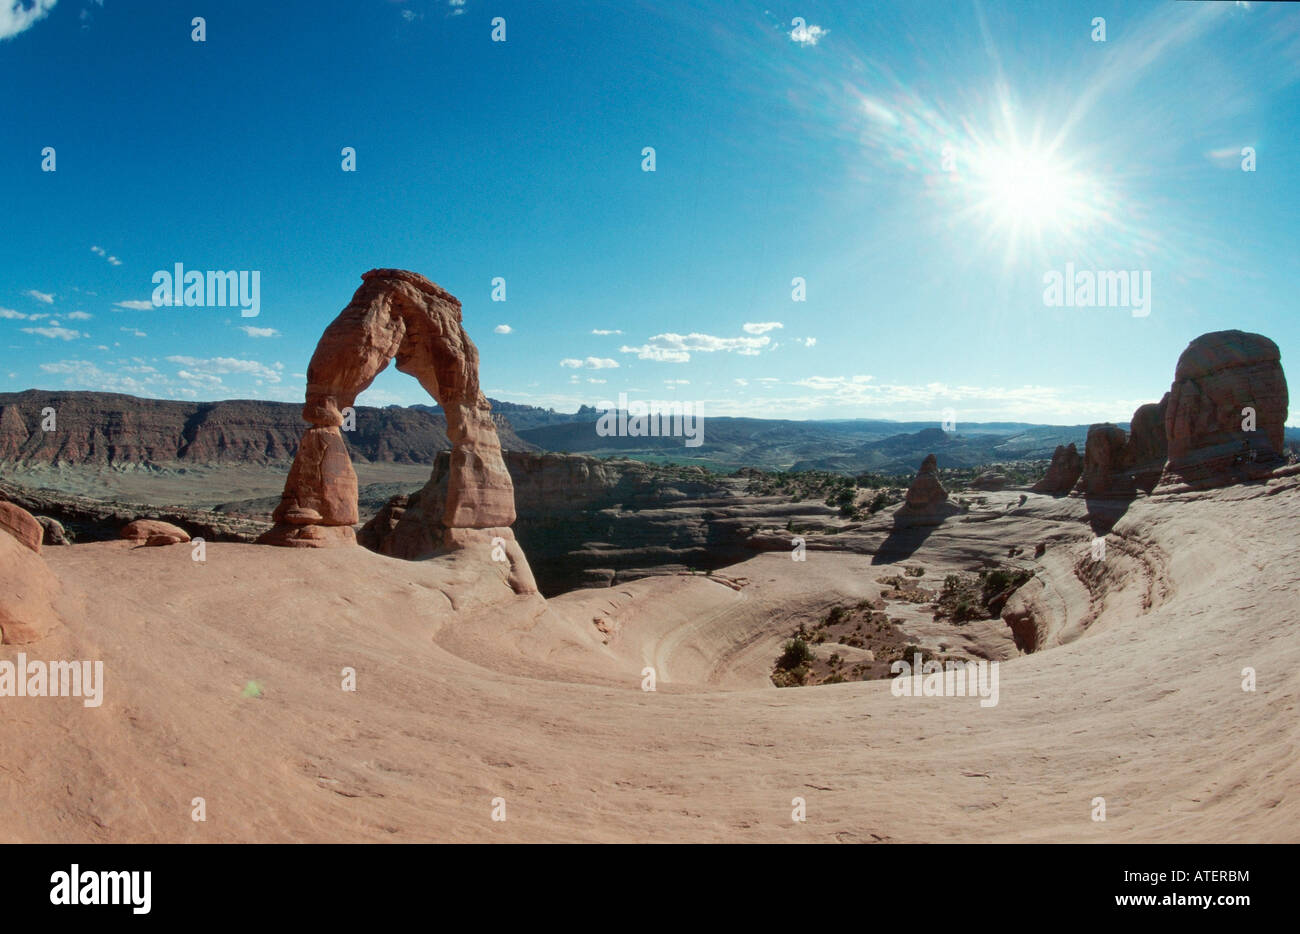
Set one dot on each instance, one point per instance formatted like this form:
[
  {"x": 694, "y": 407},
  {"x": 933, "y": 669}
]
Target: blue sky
[{"x": 920, "y": 165}]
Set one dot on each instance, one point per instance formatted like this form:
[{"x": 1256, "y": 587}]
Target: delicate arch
[{"x": 402, "y": 315}]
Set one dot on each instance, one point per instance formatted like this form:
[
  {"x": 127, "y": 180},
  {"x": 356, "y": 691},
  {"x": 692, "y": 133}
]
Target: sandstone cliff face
[
  {"x": 1147, "y": 447},
  {"x": 107, "y": 429},
  {"x": 1063, "y": 472},
  {"x": 1219, "y": 376}
]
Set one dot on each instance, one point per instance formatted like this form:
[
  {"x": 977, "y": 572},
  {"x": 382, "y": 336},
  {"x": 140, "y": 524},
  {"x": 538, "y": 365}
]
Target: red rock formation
[
  {"x": 1219, "y": 375},
  {"x": 402, "y": 315},
  {"x": 1103, "y": 462},
  {"x": 1063, "y": 472},
  {"x": 926, "y": 490},
  {"x": 154, "y": 532},
  {"x": 22, "y": 525},
  {"x": 1147, "y": 447},
  {"x": 28, "y": 591}
]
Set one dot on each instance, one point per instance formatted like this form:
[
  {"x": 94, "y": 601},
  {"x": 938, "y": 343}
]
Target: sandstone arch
[{"x": 401, "y": 315}]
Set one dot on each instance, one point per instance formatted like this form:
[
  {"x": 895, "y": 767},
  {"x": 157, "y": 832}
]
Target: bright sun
[{"x": 1028, "y": 190}]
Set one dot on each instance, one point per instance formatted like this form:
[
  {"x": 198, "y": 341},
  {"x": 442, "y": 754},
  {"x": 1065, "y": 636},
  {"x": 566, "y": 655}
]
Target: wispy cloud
[
  {"x": 45, "y": 297},
  {"x": 677, "y": 348},
  {"x": 590, "y": 363},
  {"x": 259, "y": 332},
  {"x": 603, "y": 332},
  {"x": 12, "y": 315},
  {"x": 762, "y": 327},
  {"x": 132, "y": 305},
  {"x": 503, "y": 329},
  {"x": 201, "y": 368},
  {"x": 57, "y": 333},
  {"x": 100, "y": 251}
]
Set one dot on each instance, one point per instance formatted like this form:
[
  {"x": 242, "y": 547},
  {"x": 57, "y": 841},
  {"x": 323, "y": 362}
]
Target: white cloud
[
  {"x": 810, "y": 342},
  {"x": 135, "y": 332},
  {"x": 18, "y": 15},
  {"x": 591, "y": 363},
  {"x": 762, "y": 327},
  {"x": 214, "y": 366},
  {"x": 259, "y": 332},
  {"x": 12, "y": 315},
  {"x": 132, "y": 305},
  {"x": 677, "y": 348},
  {"x": 98, "y": 251},
  {"x": 79, "y": 316},
  {"x": 45, "y": 297},
  {"x": 64, "y": 334},
  {"x": 592, "y": 379},
  {"x": 807, "y": 35},
  {"x": 503, "y": 329},
  {"x": 603, "y": 332}
]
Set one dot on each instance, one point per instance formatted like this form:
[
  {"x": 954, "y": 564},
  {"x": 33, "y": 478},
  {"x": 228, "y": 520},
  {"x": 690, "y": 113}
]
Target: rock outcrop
[
  {"x": 22, "y": 525},
  {"x": 154, "y": 532},
  {"x": 1147, "y": 448},
  {"x": 401, "y": 315},
  {"x": 926, "y": 491},
  {"x": 28, "y": 588},
  {"x": 1063, "y": 472},
  {"x": 1104, "y": 466},
  {"x": 990, "y": 480},
  {"x": 53, "y": 531},
  {"x": 28, "y": 591},
  {"x": 1226, "y": 410}
]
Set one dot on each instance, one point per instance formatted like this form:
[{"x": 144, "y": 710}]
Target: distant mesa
[{"x": 402, "y": 315}]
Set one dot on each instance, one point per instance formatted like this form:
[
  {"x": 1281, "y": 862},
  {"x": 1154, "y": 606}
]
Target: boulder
[
  {"x": 990, "y": 480},
  {"x": 28, "y": 591},
  {"x": 154, "y": 532},
  {"x": 1063, "y": 472},
  {"x": 22, "y": 525},
  {"x": 53, "y": 532}
]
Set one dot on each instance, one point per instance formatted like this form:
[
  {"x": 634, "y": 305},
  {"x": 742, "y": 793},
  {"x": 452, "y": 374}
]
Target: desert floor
[{"x": 467, "y": 693}]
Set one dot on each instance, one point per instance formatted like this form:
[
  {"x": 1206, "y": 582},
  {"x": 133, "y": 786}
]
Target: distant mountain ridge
[{"x": 114, "y": 429}]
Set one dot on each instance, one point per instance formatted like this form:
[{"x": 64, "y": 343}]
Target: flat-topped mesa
[
  {"x": 397, "y": 314},
  {"x": 1226, "y": 411},
  {"x": 1063, "y": 472},
  {"x": 926, "y": 491}
]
